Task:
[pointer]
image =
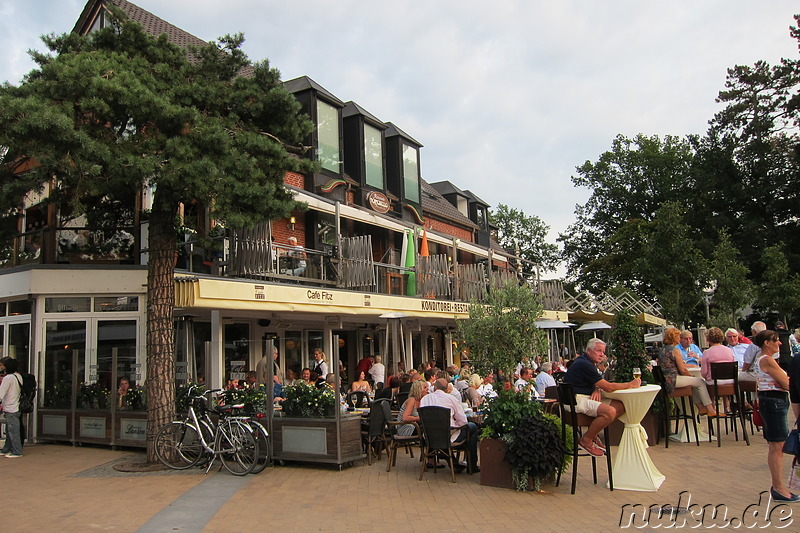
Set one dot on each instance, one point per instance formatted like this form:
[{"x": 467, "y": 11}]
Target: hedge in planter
[{"x": 535, "y": 449}]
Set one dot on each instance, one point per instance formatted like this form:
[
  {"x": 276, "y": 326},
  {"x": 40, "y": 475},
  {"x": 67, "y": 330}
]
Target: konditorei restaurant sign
[{"x": 378, "y": 201}]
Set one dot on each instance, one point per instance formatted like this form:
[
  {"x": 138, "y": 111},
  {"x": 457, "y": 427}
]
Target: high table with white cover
[{"x": 633, "y": 469}]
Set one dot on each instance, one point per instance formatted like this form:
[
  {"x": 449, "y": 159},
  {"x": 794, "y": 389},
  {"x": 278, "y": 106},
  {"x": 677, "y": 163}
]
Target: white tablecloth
[{"x": 633, "y": 469}]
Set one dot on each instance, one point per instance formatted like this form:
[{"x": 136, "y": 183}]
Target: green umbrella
[{"x": 411, "y": 260}]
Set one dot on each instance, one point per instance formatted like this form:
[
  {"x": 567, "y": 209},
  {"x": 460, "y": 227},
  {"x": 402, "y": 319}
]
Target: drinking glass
[{"x": 637, "y": 373}]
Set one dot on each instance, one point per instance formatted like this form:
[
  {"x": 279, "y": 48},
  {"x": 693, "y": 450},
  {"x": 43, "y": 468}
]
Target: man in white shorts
[{"x": 587, "y": 382}]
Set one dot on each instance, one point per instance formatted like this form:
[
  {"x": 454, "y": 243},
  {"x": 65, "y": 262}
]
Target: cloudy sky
[{"x": 508, "y": 96}]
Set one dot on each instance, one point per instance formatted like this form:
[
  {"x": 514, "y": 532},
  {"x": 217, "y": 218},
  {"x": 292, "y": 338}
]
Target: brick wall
[
  {"x": 281, "y": 232},
  {"x": 295, "y": 179},
  {"x": 449, "y": 229}
]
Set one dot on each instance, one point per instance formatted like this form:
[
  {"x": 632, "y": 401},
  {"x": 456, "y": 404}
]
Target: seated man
[
  {"x": 545, "y": 378},
  {"x": 587, "y": 383},
  {"x": 524, "y": 383},
  {"x": 689, "y": 350},
  {"x": 440, "y": 398},
  {"x": 297, "y": 258},
  {"x": 487, "y": 390}
]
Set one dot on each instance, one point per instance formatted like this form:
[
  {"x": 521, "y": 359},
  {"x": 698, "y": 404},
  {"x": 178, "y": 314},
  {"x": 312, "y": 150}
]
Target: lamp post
[{"x": 708, "y": 292}]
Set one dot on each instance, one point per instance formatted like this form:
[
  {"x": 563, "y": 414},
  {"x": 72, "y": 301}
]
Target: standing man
[
  {"x": 378, "y": 372},
  {"x": 691, "y": 352},
  {"x": 9, "y": 398},
  {"x": 440, "y": 398},
  {"x": 588, "y": 383}
]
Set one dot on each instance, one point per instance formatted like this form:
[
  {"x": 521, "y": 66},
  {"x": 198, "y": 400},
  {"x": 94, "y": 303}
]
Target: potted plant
[{"x": 520, "y": 446}]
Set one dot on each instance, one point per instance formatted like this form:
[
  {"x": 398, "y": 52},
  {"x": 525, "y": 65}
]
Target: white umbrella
[
  {"x": 590, "y": 326},
  {"x": 551, "y": 324}
]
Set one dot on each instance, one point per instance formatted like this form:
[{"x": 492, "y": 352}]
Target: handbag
[
  {"x": 757, "y": 420},
  {"x": 792, "y": 444}
]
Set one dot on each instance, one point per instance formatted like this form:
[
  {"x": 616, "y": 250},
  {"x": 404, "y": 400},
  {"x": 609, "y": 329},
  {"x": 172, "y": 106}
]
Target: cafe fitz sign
[{"x": 378, "y": 201}]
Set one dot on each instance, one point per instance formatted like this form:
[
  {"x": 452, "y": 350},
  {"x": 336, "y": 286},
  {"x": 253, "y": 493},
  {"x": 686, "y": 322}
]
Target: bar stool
[
  {"x": 567, "y": 401},
  {"x": 727, "y": 372},
  {"x": 678, "y": 392}
]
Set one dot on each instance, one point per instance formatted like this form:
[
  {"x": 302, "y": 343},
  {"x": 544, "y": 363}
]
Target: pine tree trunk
[{"x": 160, "y": 384}]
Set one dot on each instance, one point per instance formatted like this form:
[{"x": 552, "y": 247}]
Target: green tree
[
  {"x": 630, "y": 182},
  {"x": 626, "y": 345},
  {"x": 734, "y": 291},
  {"x": 673, "y": 266},
  {"x": 780, "y": 289},
  {"x": 528, "y": 234},
  {"x": 117, "y": 111},
  {"x": 501, "y": 330}
]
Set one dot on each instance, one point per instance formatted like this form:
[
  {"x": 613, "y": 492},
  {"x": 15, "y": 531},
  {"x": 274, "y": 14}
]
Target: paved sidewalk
[{"x": 64, "y": 488}]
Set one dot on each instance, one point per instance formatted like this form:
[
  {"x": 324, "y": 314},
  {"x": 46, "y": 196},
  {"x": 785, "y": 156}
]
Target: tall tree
[
  {"x": 117, "y": 111},
  {"x": 675, "y": 269},
  {"x": 528, "y": 234},
  {"x": 630, "y": 182},
  {"x": 779, "y": 291},
  {"x": 734, "y": 291}
]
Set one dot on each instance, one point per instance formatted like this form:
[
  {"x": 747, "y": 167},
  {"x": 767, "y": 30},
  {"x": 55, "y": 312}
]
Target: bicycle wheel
[
  {"x": 262, "y": 438},
  {"x": 208, "y": 435},
  {"x": 178, "y": 445},
  {"x": 237, "y": 447}
]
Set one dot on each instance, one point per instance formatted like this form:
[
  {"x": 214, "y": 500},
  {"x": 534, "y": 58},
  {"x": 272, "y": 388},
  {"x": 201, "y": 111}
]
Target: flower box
[{"x": 317, "y": 439}]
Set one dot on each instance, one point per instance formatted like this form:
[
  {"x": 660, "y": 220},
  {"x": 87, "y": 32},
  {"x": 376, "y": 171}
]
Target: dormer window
[
  {"x": 410, "y": 173},
  {"x": 328, "y": 148},
  {"x": 373, "y": 155}
]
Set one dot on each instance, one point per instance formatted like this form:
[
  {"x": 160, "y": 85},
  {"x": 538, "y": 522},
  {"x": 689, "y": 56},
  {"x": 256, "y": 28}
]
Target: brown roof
[
  {"x": 435, "y": 204},
  {"x": 152, "y": 24}
]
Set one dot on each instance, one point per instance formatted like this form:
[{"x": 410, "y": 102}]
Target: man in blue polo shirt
[
  {"x": 689, "y": 350},
  {"x": 587, "y": 382}
]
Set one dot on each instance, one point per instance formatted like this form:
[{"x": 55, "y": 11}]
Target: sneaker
[
  {"x": 592, "y": 449},
  {"x": 778, "y": 497},
  {"x": 12, "y": 455}
]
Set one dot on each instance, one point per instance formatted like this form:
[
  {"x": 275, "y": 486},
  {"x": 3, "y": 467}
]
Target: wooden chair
[
  {"x": 678, "y": 392},
  {"x": 728, "y": 372},
  {"x": 436, "y": 442},
  {"x": 576, "y": 421}
]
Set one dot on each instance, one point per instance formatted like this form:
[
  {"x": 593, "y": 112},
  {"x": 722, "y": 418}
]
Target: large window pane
[
  {"x": 118, "y": 337},
  {"x": 62, "y": 341},
  {"x": 67, "y": 305},
  {"x": 373, "y": 152},
  {"x": 410, "y": 173},
  {"x": 19, "y": 336},
  {"x": 237, "y": 350},
  {"x": 294, "y": 354},
  {"x": 328, "y": 137}
]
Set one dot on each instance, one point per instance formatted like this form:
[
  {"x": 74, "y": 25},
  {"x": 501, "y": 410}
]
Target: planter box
[
  {"x": 315, "y": 439},
  {"x": 495, "y": 470}
]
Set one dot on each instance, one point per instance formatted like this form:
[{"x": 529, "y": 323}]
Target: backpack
[{"x": 27, "y": 392}]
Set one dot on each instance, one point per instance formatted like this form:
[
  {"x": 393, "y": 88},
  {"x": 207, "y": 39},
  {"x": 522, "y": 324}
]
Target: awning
[
  {"x": 583, "y": 316},
  {"x": 645, "y": 319},
  {"x": 591, "y": 326},
  {"x": 551, "y": 324},
  {"x": 194, "y": 292}
]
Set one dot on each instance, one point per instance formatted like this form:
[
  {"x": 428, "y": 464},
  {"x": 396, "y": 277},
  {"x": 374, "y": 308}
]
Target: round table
[{"x": 633, "y": 468}]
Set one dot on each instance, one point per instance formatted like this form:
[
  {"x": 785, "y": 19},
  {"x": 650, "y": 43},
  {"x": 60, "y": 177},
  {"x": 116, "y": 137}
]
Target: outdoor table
[
  {"x": 684, "y": 434},
  {"x": 633, "y": 469}
]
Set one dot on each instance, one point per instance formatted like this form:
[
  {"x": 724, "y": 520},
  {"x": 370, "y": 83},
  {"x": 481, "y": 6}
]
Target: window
[
  {"x": 67, "y": 305},
  {"x": 328, "y": 149},
  {"x": 410, "y": 173},
  {"x": 373, "y": 154}
]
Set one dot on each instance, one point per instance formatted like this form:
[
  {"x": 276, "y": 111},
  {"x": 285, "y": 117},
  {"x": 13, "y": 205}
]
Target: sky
[{"x": 507, "y": 97}]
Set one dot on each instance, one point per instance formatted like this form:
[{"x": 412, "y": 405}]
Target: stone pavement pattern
[{"x": 64, "y": 488}]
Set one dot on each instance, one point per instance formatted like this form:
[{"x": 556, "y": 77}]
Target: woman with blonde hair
[
  {"x": 676, "y": 375},
  {"x": 408, "y": 411},
  {"x": 475, "y": 398}
]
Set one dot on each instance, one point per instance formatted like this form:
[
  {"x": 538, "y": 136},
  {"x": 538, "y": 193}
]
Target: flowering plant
[
  {"x": 254, "y": 400},
  {"x": 307, "y": 401}
]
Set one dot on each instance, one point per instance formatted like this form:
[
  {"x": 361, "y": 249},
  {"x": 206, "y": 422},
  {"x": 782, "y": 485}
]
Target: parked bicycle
[{"x": 185, "y": 443}]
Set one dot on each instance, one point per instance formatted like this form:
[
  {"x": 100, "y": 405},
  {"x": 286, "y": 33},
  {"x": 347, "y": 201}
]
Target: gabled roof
[
  {"x": 435, "y": 204},
  {"x": 393, "y": 131},
  {"x": 351, "y": 108},
  {"x": 304, "y": 83},
  {"x": 445, "y": 187},
  {"x": 152, "y": 24}
]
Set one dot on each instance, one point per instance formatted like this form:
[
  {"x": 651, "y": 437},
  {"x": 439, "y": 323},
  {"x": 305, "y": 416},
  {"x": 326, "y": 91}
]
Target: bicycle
[
  {"x": 262, "y": 438},
  {"x": 182, "y": 444}
]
